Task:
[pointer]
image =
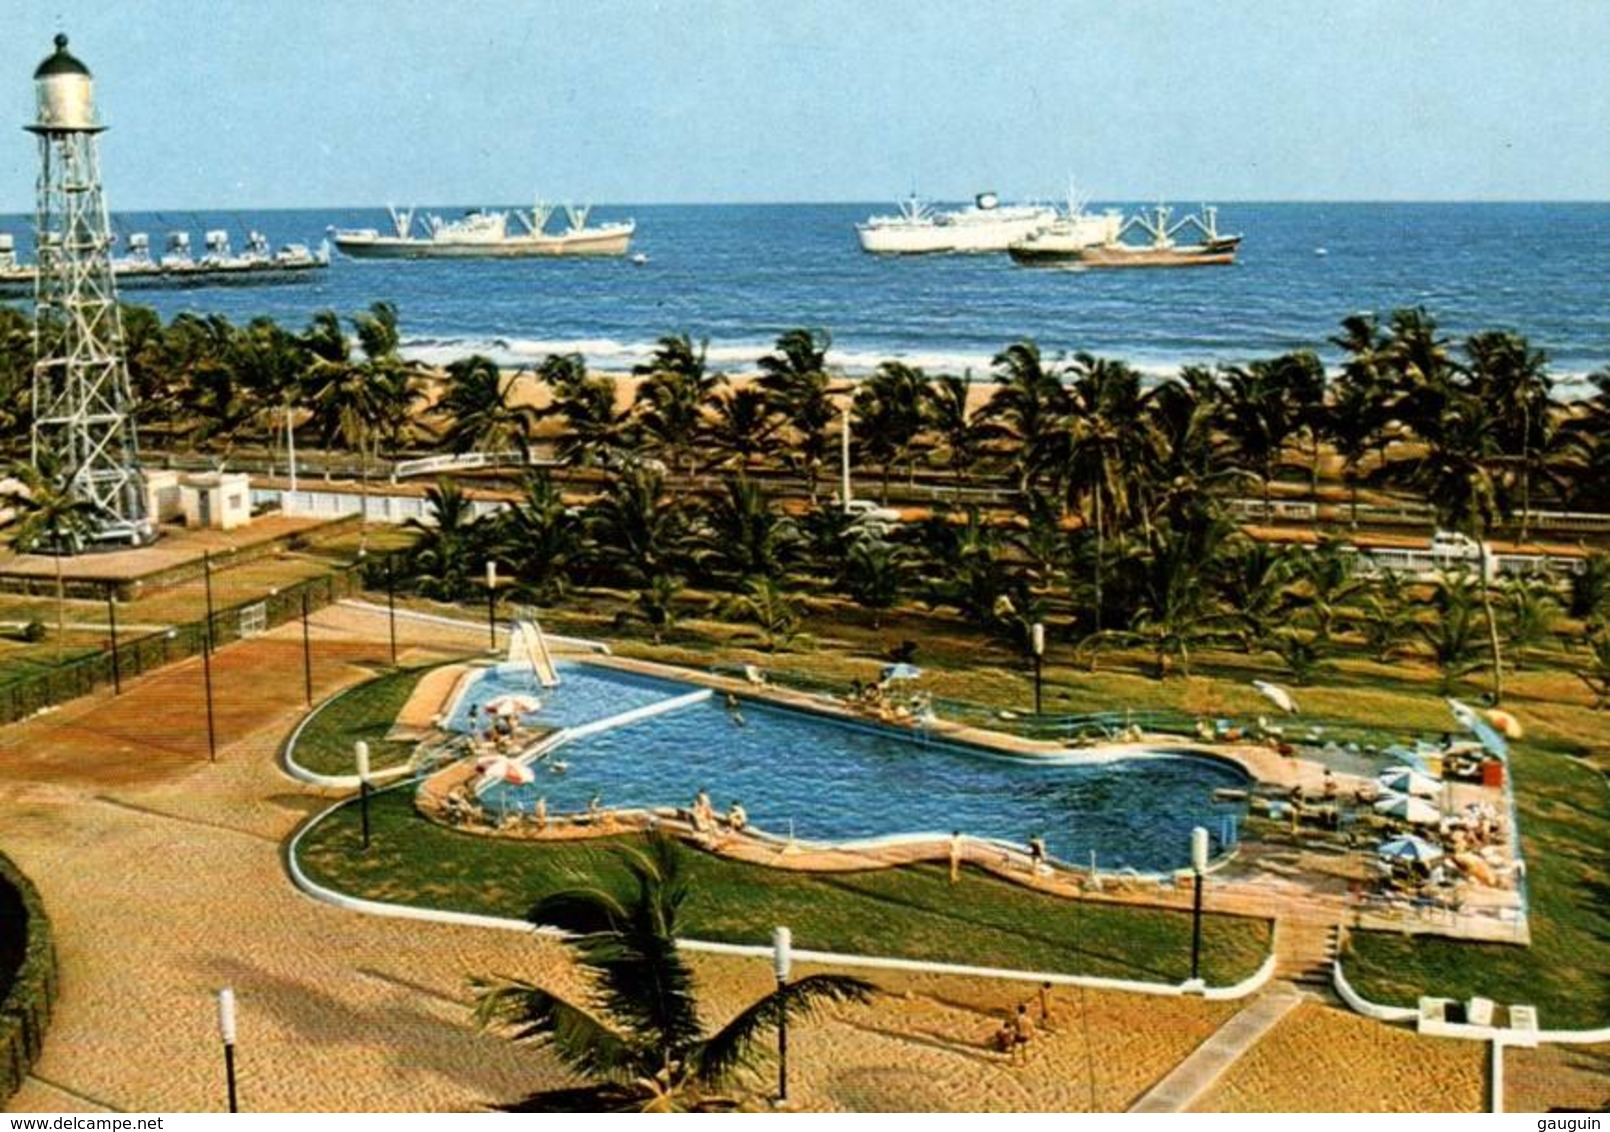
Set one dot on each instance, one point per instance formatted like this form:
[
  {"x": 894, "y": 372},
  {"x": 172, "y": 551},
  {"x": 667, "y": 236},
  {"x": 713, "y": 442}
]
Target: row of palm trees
[
  {"x": 1476, "y": 429},
  {"x": 1190, "y": 579}
]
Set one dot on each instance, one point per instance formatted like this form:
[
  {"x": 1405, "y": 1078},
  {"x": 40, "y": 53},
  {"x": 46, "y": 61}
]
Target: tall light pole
[
  {"x": 290, "y": 451},
  {"x": 360, "y": 751},
  {"x": 1037, "y": 647},
  {"x": 782, "y": 958},
  {"x": 492, "y": 604},
  {"x": 111, "y": 619},
  {"x": 206, "y": 658},
  {"x": 226, "y": 1032},
  {"x": 1199, "y": 863}
]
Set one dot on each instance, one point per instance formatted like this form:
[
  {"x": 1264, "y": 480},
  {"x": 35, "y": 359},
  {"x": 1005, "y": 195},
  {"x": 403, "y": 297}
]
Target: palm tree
[
  {"x": 396, "y": 384},
  {"x": 1251, "y": 581},
  {"x": 1589, "y": 600},
  {"x": 1027, "y": 408},
  {"x": 1450, "y": 635},
  {"x": 346, "y": 406},
  {"x": 443, "y": 558},
  {"x": 1531, "y": 609},
  {"x": 1174, "y": 607},
  {"x": 763, "y": 603},
  {"x": 1355, "y": 416},
  {"x": 595, "y": 431},
  {"x": 482, "y": 416},
  {"x": 742, "y": 536},
  {"x": 671, "y": 403},
  {"x": 1512, "y": 379},
  {"x": 888, "y": 416},
  {"x": 541, "y": 537},
  {"x": 1596, "y": 673},
  {"x": 1260, "y": 412},
  {"x": 636, "y": 530},
  {"x": 874, "y": 575},
  {"x": 45, "y": 517},
  {"x": 1385, "y": 617},
  {"x": 945, "y": 404},
  {"x": 795, "y": 377},
  {"x": 742, "y": 424},
  {"x": 639, "y": 1034}
]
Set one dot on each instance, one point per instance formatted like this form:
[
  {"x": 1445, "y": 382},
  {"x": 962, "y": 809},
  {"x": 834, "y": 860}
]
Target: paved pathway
[{"x": 1197, "y": 1073}]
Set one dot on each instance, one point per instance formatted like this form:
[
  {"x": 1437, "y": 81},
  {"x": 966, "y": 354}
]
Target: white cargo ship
[{"x": 484, "y": 234}]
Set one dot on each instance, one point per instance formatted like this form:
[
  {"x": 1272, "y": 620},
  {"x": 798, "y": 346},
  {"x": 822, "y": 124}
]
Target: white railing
[
  {"x": 463, "y": 462},
  {"x": 376, "y": 507}
]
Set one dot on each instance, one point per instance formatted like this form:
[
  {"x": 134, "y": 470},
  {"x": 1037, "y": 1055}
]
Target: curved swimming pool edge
[{"x": 324, "y": 894}]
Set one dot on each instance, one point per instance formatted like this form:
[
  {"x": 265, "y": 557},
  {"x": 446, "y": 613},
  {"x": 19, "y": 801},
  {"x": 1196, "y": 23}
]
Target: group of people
[
  {"x": 497, "y": 728},
  {"x": 875, "y": 699},
  {"x": 1018, "y": 1030},
  {"x": 705, "y": 821}
]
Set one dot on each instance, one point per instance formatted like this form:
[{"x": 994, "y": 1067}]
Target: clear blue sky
[{"x": 284, "y": 103}]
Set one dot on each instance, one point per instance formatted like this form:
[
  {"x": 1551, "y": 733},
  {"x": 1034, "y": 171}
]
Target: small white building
[{"x": 217, "y": 500}]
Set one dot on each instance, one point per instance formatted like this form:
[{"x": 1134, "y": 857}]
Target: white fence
[
  {"x": 376, "y": 507},
  {"x": 464, "y": 462}
]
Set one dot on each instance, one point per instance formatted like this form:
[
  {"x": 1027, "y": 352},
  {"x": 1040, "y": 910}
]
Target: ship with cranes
[
  {"x": 487, "y": 234},
  {"x": 1047, "y": 249}
]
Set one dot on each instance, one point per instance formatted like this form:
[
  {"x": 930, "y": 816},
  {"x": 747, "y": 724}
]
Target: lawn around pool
[
  {"x": 366, "y": 711},
  {"x": 911, "y": 912}
]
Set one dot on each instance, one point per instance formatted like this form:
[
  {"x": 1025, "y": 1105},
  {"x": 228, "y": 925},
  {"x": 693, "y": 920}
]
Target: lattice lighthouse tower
[{"x": 83, "y": 430}]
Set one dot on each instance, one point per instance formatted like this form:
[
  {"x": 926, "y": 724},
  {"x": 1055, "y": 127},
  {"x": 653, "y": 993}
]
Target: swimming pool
[{"x": 826, "y": 780}]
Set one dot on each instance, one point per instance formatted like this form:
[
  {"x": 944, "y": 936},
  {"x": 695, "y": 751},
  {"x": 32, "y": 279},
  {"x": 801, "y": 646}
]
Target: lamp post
[
  {"x": 226, "y": 1032},
  {"x": 360, "y": 750},
  {"x": 1199, "y": 861},
  {"x": 206, "y": 658},
  {"x": 491, "y": 604},
  {"x": 391, "y": 606},
  {"x": 782, "y": 947},
  {"x": 307, "y": 653},
  {"x": 1037, "y": 647},
  {"x": 111, "y": 619}
]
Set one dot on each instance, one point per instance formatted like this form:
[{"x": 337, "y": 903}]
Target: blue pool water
[
  {"x": 832, "y": 781},
  {"x": 584, "y": 694}
]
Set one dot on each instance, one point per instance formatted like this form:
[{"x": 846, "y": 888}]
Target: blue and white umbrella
[
  {"x": 1470, "y": 719},
  {"x": 1406, "y": 780},
  {"x": 901, "y": 672},
  {"x": 1406, "y": 807},
  {"x": 1416, "y": 850}
]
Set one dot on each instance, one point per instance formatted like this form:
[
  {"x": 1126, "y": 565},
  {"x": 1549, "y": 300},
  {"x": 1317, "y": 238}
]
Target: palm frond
[
  {"x": 732, "y": 1045},
  {"x": 583, "y": 1042}
]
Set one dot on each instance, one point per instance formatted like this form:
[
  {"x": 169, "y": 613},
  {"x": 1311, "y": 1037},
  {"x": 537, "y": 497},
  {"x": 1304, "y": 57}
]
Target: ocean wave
[{"x": 608, "y": 355}]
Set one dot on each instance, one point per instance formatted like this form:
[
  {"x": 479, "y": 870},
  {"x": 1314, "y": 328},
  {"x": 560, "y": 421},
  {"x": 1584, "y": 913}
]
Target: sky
[{"x": 331, "y": 103}]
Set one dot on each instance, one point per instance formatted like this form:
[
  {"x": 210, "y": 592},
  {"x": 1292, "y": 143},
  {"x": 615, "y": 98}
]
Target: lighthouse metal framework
[{"x": 83, "y": 428}]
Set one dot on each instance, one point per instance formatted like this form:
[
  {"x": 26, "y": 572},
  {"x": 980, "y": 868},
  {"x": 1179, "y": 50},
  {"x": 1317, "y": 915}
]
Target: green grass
[
  {"x": 366, "y": 712},
  {"x": 911, "y": 912},
  {"x": 1565, "y": 829}
]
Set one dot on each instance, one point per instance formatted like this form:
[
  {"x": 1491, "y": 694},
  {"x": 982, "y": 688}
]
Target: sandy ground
[
  {"x": 163, "y": 876},
  {"x": 1562, "y": 1077},
  {"x": 1322, "y": 1060}
]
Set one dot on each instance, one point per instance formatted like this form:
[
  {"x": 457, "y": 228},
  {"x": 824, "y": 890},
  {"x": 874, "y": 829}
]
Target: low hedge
[{"x": 27, "y": 977}]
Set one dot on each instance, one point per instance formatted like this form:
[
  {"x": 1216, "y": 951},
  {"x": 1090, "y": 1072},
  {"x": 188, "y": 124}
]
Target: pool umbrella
[
  {"x": 1415, "y": 811},
  {"x": 1416, "y": 850},
  {"x": 513, "y": 703},
  {"x": 1505, "y": 723},
  {"x": 1403, "y": 780},
  {"x": 1472, "y": 722},
  {"x": 493, "y": 768},
  {"x": 901, "y": 672},
  {"x": 1276, "y": 695},
  {"x": 518, "y": 774}
]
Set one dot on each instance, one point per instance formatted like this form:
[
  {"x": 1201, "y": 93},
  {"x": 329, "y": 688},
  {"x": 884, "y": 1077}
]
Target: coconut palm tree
[
  {"x": 345, "y": 405},
  {"x": 1355, "y": 415},
  {"x": 636, "y": 530},
  {"x": 443, "y": 558},
  {"x": 1260, "y": 412},
  {"x": 482, "y": 417},
  {"x": 1385, "y": 616},
  {"x": 888, "y": 411},
  {"x": 1512, "y": 379},
  {"x": 742, "y": 425},
  {"x": 949, "y": 416},
  {"x": 795, "y": 377},
  {"x": 763, "y": 603},
  {"x": 1531, "y": 609},
  {"x": 741, "y": 536},
  {"x": 541, "y": 537},
  {"x": 1174, "y": 607},
  {"x": 1027, "y": 409},
  {"x": 874, "y": 574},
  {"x": 1251, "y": 579},
  {"x": 596, "y": 432},
  {"x": 1595, "y": 673},
  {"x": 672, "y": 401},
  {"x": 638, "y": 1034},
  {"x": 45, "y": 517},
  {"x": 1450, "y": 635}
]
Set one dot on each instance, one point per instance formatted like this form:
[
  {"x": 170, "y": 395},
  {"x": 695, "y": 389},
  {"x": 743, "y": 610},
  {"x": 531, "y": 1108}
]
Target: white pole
[
  {"x": 844, "y": 460},
  {"x": 290, "y": 448}
]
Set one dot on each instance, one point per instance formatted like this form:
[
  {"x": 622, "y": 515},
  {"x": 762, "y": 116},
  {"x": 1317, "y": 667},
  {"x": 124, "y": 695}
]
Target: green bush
[
  {"x": 27, "y": 977},
  {"x": 33, "y": 632}
]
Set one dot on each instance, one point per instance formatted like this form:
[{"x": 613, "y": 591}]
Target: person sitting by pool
[
  {"x": 737, "y": 817},
  {"x": 540, "y": 814},
  {"x": 1036, "y": 854},
  {"x": 595, "y": 808},
  {"x": 733, "y": 713}
]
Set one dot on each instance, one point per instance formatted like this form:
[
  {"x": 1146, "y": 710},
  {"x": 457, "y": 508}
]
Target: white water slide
[{"x": 527, "y": 645}]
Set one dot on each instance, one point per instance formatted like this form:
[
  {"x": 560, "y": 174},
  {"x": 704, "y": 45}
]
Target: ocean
[{"x": 738, "y": 275}]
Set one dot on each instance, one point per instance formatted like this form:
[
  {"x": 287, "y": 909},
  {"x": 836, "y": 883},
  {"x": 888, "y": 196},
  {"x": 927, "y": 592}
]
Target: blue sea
[{"x": 740, "y": 274}]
